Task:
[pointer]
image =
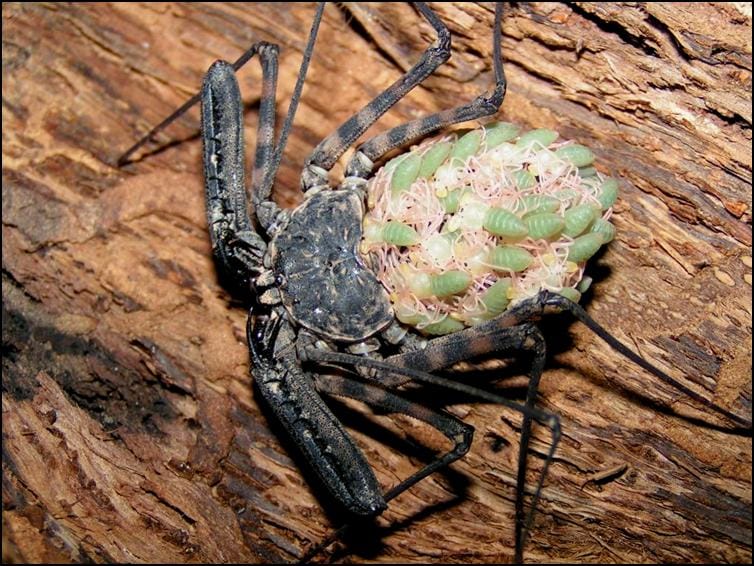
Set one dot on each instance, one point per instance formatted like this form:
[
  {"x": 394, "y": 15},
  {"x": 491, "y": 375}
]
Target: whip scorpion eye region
[{"x": 464, "y": 226}]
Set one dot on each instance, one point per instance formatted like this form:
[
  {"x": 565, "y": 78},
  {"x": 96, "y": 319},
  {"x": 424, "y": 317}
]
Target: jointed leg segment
[
  {"x": 495, "y": 336},
  {"x": 514, "y": 335},
  {"x": 458, "y": 432},
  {"x": 376, "y": 147},
  {"x": 237, "y": 246},
  {"x": 333, "y": 146},
  {"x": 557, "y": 303}
]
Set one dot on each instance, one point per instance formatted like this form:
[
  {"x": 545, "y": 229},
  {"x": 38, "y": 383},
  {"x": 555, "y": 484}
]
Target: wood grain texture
[{"x": 131, "y": 432}]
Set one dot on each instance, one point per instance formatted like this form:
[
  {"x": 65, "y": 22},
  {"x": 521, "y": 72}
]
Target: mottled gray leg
[
  {"x": 512, "y": 331},
  {"x": 525, "y": 334},
  {"x": 458, "y": 432},
  {"x": 373, "y": 149},
  {"x": 495, "y": 336},
  {"x": 237, "y": 246},
  {"x": 292, "y": 397},
  {"x": 240, "y": 62},
  {"x": 125, "y": 159},
  {"x": 266, "y": 209},
  {"x": 332, "y": 147},
  {"x": 454, "y": 429}
]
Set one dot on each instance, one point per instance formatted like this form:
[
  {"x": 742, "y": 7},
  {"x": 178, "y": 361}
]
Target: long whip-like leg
[
  {"x": 547, "y": 419},
  {"x": 536, "y": 344},
  {"x": 125, "y": 159},
  {"x": 485, "y": 338},
  {"x": 237, "y": 247},
  {"x": 373, "y": 149},
  {"x": 458, "y": 432},
  {"x": 559, "y": 303},
  {"x": 333, "y": 146},
  {"x": 320, "y": 437}
]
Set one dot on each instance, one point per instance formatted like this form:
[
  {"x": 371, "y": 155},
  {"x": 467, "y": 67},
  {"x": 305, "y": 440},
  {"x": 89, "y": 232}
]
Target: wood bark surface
[{"x": 131, "y": 431}]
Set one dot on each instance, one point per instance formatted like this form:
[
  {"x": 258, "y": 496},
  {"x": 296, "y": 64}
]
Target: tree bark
[{"x": 131, "y": 432}]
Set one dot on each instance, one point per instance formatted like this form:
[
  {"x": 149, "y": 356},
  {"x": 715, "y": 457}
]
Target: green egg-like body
[
  {"x": 498, "y": 133},
  {"x": 604, "y": 229},
  {"x": 434, "y": 157},
  {"x": 449, "y": 283},
  {"x": 452, "y": 201},
  {"x": 544, "y": 226},
  {"x": 445, "y": 326},
  {"x": 608, "y": 193},
  {"x": 570, "y": 293},
  {"x": 577, "y": 155},
  {"x": 466, "y": 146},
  {"x": 405, "y": 173},
  {"x": 509, "y": 258},
  {"x": 536, "y": 204},
  {"x": 505, "y": 224},
  {"x": 537, "y": 138},
  {"x": 584, "y": 247},
  {"x": 578, "y": 219},
  {"x": 524, "y": 179},
  {"x": 409, "y": 318},
  {"x": 399, "y": 234},
  {"x": 495, "y": 299}
]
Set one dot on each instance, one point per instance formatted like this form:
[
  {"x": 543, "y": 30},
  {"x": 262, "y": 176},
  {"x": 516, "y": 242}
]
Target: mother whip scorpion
[{"x": 317, "y": 301}]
